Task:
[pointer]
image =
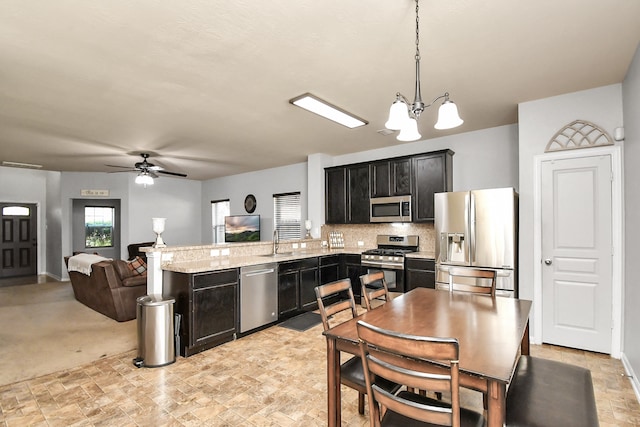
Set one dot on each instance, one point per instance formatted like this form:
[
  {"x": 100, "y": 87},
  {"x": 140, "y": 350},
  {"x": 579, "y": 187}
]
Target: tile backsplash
[{"x": 366, "y": 233}]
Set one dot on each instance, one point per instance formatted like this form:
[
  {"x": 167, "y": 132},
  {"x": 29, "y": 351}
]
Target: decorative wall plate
[{"x": 250, "y": 203}]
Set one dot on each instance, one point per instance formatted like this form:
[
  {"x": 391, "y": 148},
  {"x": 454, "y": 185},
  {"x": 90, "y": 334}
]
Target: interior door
[
  {"x": 576, "y": 253},
  {"x": 96, "y": 227},
  {"x": 18, "y": 239}
]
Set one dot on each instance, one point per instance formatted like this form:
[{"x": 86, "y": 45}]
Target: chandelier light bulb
[
  {"x": 398, "y": 115},
  {"x": 448, "y": 116},
  {"x": 409, "y": 131}
]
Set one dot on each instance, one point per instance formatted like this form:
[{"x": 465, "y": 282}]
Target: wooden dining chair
[
  {"x": 417, "y": 362},
  {"x": 473, "y": 286},
  {"x": 336, "y": 305},
  {"x": 378, "y": 291}
]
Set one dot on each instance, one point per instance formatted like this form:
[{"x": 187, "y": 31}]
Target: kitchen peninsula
[{"x": 205, "y": 282}]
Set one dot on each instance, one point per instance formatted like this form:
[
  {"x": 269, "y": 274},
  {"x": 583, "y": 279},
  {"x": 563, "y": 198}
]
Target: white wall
[
  {"x": 263, "y": 185},
  {"x": 538, "y": 122},
  {"x": 631, "y": 103}
]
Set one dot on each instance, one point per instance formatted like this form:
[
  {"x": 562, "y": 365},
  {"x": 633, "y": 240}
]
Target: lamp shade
[
  {"x": 409, "y": 131},
  {"x": 398, "y": 115},
  {"x": 144, "y": 179},
  {"x": 448, "y": 117}
]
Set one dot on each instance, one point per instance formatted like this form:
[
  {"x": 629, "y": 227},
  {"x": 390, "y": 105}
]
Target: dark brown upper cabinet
[
  {"x": 390, "y": 177},
  {"x": 347, "y": 194},
  {"x": 432, "y": 173},
  {"x": 349, "y": 188}
]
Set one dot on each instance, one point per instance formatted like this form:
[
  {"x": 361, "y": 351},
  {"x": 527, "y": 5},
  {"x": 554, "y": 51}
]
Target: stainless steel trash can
[{"x": 156, "y": 340}]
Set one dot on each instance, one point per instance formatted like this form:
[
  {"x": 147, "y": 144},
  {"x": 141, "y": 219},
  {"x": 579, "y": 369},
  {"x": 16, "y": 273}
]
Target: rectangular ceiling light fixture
[
  {"x": 322, "y": 108},
  {"x": 20, "y": 165}
]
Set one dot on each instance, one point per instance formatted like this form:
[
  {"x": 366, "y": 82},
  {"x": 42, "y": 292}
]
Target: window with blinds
[
  {"x": 287, "y": 215},
  {"x": 219, "y": 209}
]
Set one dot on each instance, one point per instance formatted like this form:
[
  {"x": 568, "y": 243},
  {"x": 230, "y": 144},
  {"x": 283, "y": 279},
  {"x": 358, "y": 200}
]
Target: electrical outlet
[
  {"x": 167, "y": 256},
  {"x": 215, "y": 252},
  {"x": 360, "y": 243},
  {"x": 225, "y": 252},
  {"x": 303, "y": 245},
  {"x": 294, "y": 246}
]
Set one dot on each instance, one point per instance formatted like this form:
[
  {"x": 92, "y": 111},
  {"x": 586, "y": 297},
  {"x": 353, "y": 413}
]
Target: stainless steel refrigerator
[{"x": 478, "y": 228}]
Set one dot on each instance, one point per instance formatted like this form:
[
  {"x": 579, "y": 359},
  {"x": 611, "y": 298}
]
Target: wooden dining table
[{"x": 492, "y": 333}]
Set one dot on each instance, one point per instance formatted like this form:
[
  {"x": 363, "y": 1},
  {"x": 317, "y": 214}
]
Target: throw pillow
[{"x": 137, "y": 266}]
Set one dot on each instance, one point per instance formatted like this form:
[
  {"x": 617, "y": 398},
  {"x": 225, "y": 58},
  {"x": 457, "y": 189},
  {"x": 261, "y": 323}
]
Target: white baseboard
[{"x": 632, "y": 376}]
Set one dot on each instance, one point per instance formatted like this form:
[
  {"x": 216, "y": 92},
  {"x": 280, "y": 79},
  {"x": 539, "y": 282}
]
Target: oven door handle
[{"x": 391, "y": 266}]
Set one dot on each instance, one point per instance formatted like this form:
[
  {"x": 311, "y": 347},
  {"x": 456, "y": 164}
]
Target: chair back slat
[
  {"x": 417, "y": 362},
  {"x": 381, "y": 291},
  {"x": 473, "y": 286},
  {"x": 340, "y": 290}
]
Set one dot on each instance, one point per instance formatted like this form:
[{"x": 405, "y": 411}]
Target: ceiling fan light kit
[
  {"x": 403, "y": 115},
  {"x": 147, "y": 171}
]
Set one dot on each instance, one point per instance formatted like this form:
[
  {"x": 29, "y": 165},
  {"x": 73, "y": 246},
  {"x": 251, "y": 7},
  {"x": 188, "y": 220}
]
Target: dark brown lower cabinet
[
  {"x": 353, "y": 270},
  {"x": 419, "y": 273},
  {"x": 296, "y": 283},
  {"x": 207, "y": 304}
]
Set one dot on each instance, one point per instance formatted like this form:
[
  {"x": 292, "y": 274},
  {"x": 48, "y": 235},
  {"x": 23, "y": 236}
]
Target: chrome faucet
[{"x": 276, "y": 241}]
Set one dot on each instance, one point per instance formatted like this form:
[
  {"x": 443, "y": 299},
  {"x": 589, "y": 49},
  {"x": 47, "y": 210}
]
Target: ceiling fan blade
[
  {"x": 122, "y": 167},
  {"x": 152, "y": 174},
  {"x": 172, "y": 173}
]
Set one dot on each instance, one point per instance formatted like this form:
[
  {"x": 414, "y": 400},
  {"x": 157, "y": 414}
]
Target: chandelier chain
[{"x": 417, "y": 31}]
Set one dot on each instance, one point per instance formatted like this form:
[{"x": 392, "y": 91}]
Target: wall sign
[{"x": 98, "y": 193}]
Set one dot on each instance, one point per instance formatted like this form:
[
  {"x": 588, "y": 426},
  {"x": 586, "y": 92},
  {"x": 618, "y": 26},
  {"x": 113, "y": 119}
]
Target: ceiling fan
[{"x": 147, "y": 171}]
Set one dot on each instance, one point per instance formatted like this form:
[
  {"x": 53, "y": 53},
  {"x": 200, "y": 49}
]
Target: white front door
[{"x": 576, "y": 200}]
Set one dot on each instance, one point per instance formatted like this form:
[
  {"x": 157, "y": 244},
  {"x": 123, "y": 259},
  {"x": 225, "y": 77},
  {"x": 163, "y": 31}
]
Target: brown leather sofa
[{"x": 111, "y": 289}]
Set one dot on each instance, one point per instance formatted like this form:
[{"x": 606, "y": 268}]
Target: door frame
[{"x": 617, "y": 234}]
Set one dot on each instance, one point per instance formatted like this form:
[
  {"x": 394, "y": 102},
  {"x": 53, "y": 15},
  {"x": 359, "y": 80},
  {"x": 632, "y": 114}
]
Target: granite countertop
[
  {"x": 224, "y": 262},
  {"x": 422, "y": 254}
]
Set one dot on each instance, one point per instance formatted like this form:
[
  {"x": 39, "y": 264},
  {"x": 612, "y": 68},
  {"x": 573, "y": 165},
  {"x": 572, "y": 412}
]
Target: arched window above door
[{"x": 578, "y": 134}]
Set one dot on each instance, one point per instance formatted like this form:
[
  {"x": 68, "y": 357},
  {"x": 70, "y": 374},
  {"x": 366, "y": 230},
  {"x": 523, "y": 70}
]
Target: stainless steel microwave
[{"x": 391, "y": 209}]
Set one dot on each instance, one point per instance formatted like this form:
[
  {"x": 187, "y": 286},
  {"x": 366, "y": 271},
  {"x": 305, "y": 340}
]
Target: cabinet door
[
  {"x": 400, "y": 179},
  {"x": 288, "y": 291},
  {"x": 354, "y": 271},
  {"x": 431, "y": 174},
  {"x": 419, "y": 273},
  {"x": 329, "y": 273},
  {"x": 380, "y": 179},
  {"x": 358, "y": 195},
  {"x": 308, "y": 282},
  {"x": 335, "y": 196},
  {"x": 214, "y": 312}
]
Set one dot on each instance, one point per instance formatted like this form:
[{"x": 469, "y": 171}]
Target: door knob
[{"x": 548, "y": 261}]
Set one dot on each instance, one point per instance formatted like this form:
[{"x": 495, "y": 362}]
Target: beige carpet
[{"x": 43, "y": 329}]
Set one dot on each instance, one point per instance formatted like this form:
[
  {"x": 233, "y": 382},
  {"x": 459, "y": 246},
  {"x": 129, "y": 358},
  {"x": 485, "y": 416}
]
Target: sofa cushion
[
  {"x": 135, "y": 280},
  {"x": 137, "y": 266},
  {"x": 122, "y": 268}
]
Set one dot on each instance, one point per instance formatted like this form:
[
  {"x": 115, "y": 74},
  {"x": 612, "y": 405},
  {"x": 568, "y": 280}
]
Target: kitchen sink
[{"x": 279, "y": 254}]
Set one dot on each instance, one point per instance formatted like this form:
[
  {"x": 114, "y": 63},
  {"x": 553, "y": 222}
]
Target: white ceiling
[{"x": 205, "y": 84}]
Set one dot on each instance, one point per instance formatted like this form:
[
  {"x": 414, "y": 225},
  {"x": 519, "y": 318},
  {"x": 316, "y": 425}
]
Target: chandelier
[{"x": 403, "y": 116}]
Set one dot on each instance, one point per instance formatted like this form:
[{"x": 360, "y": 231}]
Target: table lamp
[{"x": 158, "y": 228}]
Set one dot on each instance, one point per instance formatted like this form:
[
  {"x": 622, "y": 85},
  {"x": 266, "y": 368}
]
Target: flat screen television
[{"x": 242, "y": 228}]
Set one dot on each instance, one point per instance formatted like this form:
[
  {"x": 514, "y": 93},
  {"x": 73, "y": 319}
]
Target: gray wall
[
  {"x": 28, "y": 186},
  {"x": 631, "y": 103},
  {"x": 263, "y": 185},
  {"x": 486, "y": 158},
  {"x": 53, "y": 226}
]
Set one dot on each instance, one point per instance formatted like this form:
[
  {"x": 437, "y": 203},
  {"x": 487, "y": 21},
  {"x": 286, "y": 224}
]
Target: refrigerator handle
[{"x": 472, "y": 228}]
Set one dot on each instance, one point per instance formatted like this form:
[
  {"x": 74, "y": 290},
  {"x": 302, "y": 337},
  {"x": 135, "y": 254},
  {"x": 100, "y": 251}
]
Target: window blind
[{"x": 287, "y": 215}]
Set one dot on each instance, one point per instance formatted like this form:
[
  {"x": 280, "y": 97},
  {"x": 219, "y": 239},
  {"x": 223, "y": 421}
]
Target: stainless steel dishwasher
[{"x": 258, "y": 295}]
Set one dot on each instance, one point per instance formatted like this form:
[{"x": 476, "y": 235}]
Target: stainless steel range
[{"x": 389, "y": 257}]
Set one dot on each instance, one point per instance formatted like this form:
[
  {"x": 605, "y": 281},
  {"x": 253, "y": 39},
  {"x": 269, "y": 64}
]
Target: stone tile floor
[{"x": 276, "y": 377}]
